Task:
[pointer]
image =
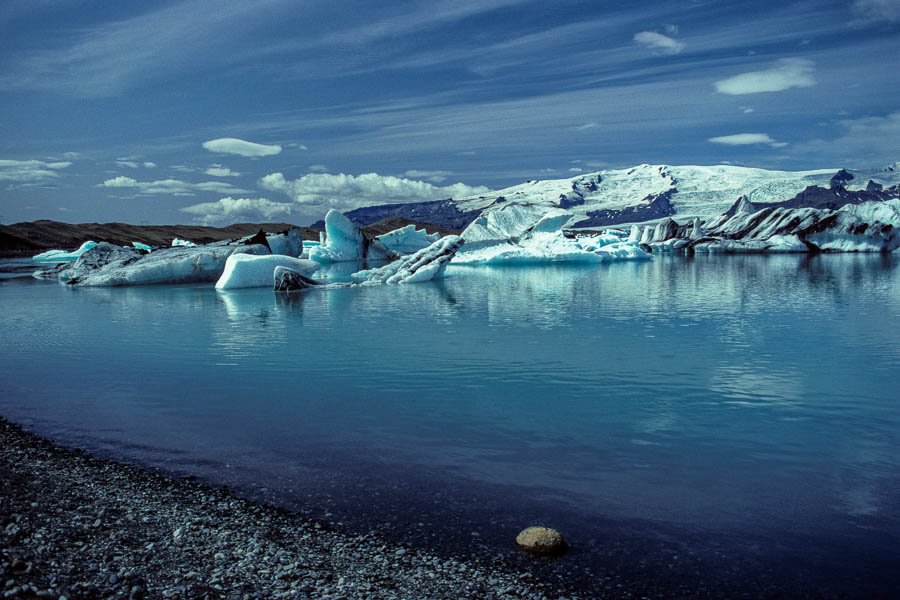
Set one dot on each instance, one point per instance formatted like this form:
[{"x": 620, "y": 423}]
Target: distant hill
[{"x": 29, "y": 238}]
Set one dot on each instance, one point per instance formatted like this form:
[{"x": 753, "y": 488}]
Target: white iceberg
[
  {"x": 111, "y": 265},
  {"x": 141, "y": 246},
  {"x": 344, "y": 241},
  {"x": 185, "y": 243},
  {"x": 424, "y": 265},
  {"x": 526, "y": 233},
  {"x": 247, "y": 270},
  {"x": 63, "y": 254},
  {"x": 408, "y": 239}
]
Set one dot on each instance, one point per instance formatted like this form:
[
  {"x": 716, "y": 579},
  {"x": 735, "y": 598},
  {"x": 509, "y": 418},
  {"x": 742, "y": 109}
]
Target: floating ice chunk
[
  {"x": 247, "y": 270},
  {"x": 513, "y": 238},
  {"x": 288, "y": 280},
  {"x": 111, "y": 265},
  {"x": 426, "y": 264},
  {"x": 64, "y": 255},
  {"x": 344, "y": 241},
  {"x": 408, "y": 239},
  {"x": 185, "y": 243},
  {"x": 288, "y": 243},
  {"x": 141, "y": 246}
]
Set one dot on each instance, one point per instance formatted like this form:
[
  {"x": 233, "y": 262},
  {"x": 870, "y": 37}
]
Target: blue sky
[{"x": 217, "y": 112}]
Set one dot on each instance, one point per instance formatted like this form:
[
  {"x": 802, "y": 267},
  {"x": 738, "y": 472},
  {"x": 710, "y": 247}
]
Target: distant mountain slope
[
  {"x": 649, "y": 192},
  {"x": 35, "y": 236}
]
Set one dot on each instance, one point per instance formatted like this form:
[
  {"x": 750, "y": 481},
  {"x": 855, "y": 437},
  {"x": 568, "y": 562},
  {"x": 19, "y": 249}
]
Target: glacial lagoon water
[{"x": 710, "y": 426}]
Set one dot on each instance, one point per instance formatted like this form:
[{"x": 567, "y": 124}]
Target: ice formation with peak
[
  {"x": 344, "y": 241},
  {"x": 51, "y": 255}
]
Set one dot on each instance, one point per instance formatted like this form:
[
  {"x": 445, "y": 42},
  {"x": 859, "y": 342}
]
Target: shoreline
[{"x": 76, "y": 526}]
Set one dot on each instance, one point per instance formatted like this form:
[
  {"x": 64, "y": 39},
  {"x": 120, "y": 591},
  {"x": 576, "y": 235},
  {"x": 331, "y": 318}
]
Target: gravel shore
[{"x": 74, "y": 526}]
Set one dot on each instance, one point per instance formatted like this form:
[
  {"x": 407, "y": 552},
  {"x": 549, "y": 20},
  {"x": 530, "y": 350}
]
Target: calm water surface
[{"x": 725, "y": 425}]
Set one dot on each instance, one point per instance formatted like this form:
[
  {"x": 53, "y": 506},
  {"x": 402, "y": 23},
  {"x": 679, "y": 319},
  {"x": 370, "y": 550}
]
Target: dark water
[{"x": 723, "y": 426}]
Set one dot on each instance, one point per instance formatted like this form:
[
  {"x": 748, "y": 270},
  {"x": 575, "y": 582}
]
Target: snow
[
  {"x": 344, "y": 241},
  {"x": 185, "y": 243},
  {"x": 408, "y": 239},
  {"x": 248, "y": 270},
  {"x": 64, "y": 255},
  {"x": 424, "y": 265},
  {"x": 525, "y": 233},
  {"x": 702, "y": 191}
]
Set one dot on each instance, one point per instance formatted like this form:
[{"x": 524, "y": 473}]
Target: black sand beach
[{"x": 74, "y": 526}]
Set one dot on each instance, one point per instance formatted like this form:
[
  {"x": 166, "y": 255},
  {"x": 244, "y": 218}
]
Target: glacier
[
  {"x": 645, "y": 193},
  {"x": 527, "y": 233},
  {"x": 249, "y": 270},
  {"x": 50, "y": 255}
]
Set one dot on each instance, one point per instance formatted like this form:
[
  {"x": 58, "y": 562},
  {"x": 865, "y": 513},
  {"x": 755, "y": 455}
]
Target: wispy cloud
[
  {"x": 346, "y": 192},
  {"x": 232, "y": 210},
  {"x": 787, "y": 73},
  {"x": 859, "y": 142},
  {"x": 746, "y": 139},
  {"x": 432, "y": 176},
  {"x": 878, "y": 10},
  {"x": 30, "y": 171},
  {"x": 659, "y": 42},
  {"x": 241, "y": 147},
  {"x": 174, "y": 187},
  {"x": 220, "y": 171}
]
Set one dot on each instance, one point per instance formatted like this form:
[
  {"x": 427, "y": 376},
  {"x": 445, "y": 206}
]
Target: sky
[{"x": 277, "y": 110}]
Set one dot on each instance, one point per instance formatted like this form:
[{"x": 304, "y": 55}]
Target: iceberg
[
  {"x": 185, "y": 243},
  {"x": 344, "y": 241},
  {"x": 63, "y": 254},
  {"x": 249, "y": 270},
  {"x": 865, "y": 227},
  {"x": 528, "y": 233},
  {"x": 110, "y": 265},
  {"x": 141, "y": 246},
  {"x": 424, "y": 265},
  {"x": 408, "y": 239}
]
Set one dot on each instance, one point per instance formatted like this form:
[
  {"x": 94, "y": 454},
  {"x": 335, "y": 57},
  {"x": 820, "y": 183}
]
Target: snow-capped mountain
[{"x": 649, "y": 192}]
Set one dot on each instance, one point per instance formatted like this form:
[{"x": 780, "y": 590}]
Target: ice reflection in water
[{"x": 747, "y": 396}]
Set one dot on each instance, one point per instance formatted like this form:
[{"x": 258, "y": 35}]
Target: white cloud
[
  {"x": 30, "y": 171},
  {"x": 659, "y": 42},
  {"x": 878, "y": 10},
  {"x": 346, "y": 192},
  {"x": 127, "y": 163},
  {"x": 318, "y": 168},
  {"x": 219, "y": 171},
  {"x": 235, "y": 210},
  {"x": 149, "y": 165},
  {"x": 240, "y": 147},
  {"x": 590, "y": 125},
  {"x": 747, "y": 109},
  {"x": 170, "y": 186},
  {"x": 746, "y": 139},
  {"x": 432, "y": 176},
  {"x": 787, "y": 73}
]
